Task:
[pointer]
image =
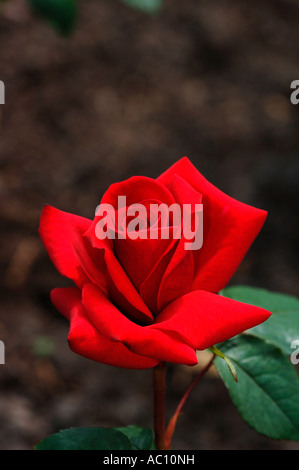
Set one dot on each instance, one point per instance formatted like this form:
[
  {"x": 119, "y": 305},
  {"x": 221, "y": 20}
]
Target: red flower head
[{"x": 138, "y": 302}]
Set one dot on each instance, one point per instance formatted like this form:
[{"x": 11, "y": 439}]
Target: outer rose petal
[
  {"x": 73, "y": 256},
  {"x": 143, "y": 340},
  {"x": 203, "y": 319},
  {"x": 229, "y": 228},
  {"x": 84, "y": 338}
]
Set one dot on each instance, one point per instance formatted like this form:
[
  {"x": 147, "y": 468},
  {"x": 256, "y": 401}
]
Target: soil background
[{"x": 130, "y": 94}]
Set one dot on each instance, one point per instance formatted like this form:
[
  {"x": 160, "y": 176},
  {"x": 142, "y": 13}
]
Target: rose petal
[
  {"x": 73, "y": 256},
  {"x": 179, "y": 274},
  {"x": 150, "y": 287},
  {"x": 137, "y": 257},
  {"x": 173, "y": 275},
  {"x": 137, "y": 189},
  {"x": 85, "y": 340},
  {"x": 229, "y": 227},
  {"x": 140, "y": 339},
  {"x": 121, "y": 289},
  {"x": 203, "y": 319},
  {"x": 130, "y": 261}
]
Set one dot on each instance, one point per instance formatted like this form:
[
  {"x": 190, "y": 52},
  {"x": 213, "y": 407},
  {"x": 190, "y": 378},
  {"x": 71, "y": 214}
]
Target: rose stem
[
  {"x": 173, "y": 421},
  {"x": 159, "y": 405}
]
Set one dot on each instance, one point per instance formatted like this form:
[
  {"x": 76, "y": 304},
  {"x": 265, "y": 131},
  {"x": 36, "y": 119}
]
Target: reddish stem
[
  {"x": 173, "y": 421},
  {"x": 159, "y": 405}
]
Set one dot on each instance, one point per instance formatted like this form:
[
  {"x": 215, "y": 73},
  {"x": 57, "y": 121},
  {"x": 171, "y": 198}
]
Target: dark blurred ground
[{"x": 130, "y": 94}]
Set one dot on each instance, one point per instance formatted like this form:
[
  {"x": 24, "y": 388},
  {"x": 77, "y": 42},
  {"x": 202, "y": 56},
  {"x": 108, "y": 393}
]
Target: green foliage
[
  {"x": 140, "y": 438},
  {"x": 267, "y": 392},
  {"x": 86, "y": 439},
  {"x": 126, "y": 438},
  {"x": 148, "y": 6},
  {"x": 283, "y": 326},
  {"x": 62, "y": 14}
]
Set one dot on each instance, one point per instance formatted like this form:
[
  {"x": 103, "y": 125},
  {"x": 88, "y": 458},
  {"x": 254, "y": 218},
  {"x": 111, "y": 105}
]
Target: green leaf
[
  {"x": 86, "y": 439},
  {"x": 282, "y": 328},
  {"x": 148, "y": 6},
  {"x": 140, "y": 438},
  {"x": 273, "y": 301},
  {"x": 62, "y": 14},
  {"x": 267, "y": 392}
]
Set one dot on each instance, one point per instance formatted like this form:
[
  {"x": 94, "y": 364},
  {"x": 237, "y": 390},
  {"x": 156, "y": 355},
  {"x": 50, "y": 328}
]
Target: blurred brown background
[{"x": 128, "y": 94}]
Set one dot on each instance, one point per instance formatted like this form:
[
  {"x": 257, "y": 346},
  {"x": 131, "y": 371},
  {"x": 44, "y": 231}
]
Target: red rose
[{"x": 144, "y": 301}]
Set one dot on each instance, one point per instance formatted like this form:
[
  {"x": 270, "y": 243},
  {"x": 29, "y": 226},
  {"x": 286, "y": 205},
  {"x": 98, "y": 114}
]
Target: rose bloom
[{"x": 141, "y": 302}]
